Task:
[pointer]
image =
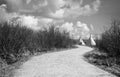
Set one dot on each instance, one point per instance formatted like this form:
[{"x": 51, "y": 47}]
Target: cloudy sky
[{"x": 95, "y": 14}]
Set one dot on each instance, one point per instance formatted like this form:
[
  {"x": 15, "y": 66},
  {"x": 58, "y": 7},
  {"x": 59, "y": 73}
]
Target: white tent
[
  {"x": 92, "y": 41},
  {"x": 81, "y": 41}
]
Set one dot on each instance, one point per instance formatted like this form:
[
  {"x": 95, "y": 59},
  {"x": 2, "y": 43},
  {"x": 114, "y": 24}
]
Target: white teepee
[
  {"x": 81, "y": 41},
  {"x": 92, "y": 41}
]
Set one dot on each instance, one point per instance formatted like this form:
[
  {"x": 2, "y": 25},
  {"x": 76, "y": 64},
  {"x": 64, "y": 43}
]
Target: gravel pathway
[{"x": 69, "y": 63}]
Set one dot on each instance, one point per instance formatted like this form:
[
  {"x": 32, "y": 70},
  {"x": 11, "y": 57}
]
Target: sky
[{"x": 91, "y": 15}]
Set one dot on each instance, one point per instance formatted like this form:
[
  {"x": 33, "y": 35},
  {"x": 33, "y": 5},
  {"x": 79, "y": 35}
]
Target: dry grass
[
  {"x": 109, "y": 44},
  {"x": 18, "y": 44},
  {"x": 110, "y": 41},
  {"x": 16, "y": 41},
  {"x": 103, "y": 61}
]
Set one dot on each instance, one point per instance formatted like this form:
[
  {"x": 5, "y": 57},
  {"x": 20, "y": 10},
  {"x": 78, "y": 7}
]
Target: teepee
[
  {"x": 81, "y": 41},
  {"x": 92, "y": 41}
]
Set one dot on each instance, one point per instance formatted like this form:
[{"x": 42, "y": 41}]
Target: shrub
[
  {"x": 16, "y": 40},
  {"x": 110, "y": 41},
  {"x": 53, "y": 38},
  {"x": 12, "y": 39}
]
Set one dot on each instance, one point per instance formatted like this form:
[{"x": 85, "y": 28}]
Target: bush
[
  {"x": 110, "y": 41},
  {"x": 12, "y": 39},
  {"x": 16, "y": 40},
  {"x": 53, "y": 38}
]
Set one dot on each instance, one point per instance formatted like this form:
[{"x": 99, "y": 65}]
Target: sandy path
[{"x": 69, "y": 63}]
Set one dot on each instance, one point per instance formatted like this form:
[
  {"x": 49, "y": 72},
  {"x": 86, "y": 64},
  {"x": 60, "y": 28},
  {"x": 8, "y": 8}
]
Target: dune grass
[
  {"x": 110, "y": 41},
  {"x": 107, "y": 55},
  {"x": 104, "y": 61},
  {"x": 18, "y": 43}
]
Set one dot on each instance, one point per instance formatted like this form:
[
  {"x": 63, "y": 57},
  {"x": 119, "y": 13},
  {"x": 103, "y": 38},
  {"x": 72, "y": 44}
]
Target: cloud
[
  {"x": 82, "y": 26},
  {"x": 26, "y": 5},
  {"x": 45, "y": 20},
  {"x": 4, "y": 16},
  {"x": 51, "y": 11},
  {"x": 67, "y": 27},
  {"x": 28, "y": 1},
  {"x": 2, "y": 2},
  {"x": 79, "y": 26},
  {"x": 86, "y": 10},
  {"x": 58, "y": 14},
  {"x": 14, "y": 5},
  {"x": 81, "y": 30},
  {"x": 96, "y": 4},
  {"x": 35, "y": 23},
  {"x": 30, "y": 22},
  {"x": 55, "y": 8},
  {"x": 59, "y": 3},
  {"x": 76, "y": 30},
  {"x": 75, "y": 8},
  {"x": 91, "y": 27}
]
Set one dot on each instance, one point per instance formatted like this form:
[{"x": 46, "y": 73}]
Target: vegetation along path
[{"x": 68, "y": 63}]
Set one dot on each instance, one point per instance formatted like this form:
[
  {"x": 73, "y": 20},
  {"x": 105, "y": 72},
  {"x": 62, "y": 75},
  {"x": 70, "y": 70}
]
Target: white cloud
[
  {"x": 3, "y": 6},
  {"x": 40, "y": 3},
  {"x": 29, "y": 21},
  {"x": 56, "y": 8},
  {"x": 67, "y": 27},
  {"x": 45, "y": 20},
  {"x": 74, "y": 8},
  {"x": 4, "y": 15},
  {"x": 44, "y": 23},
  {"x": 91, "y": 27},
  {"x": 96, "y": 4},
  {"x": 35, "y": 23},
  {"x": 83, "y": 26},
  {"x": 76, "y": 30},
  {"x": 78, "y": 10},
  {"x": 58, "y": 14},
  {"x": 56, "y": 11},
  {"x": 57, "y": 3},
  {"x": 28, "y": 1},
  {"x": 80, "y": 30},
  {"x": 78, "y": 27}
]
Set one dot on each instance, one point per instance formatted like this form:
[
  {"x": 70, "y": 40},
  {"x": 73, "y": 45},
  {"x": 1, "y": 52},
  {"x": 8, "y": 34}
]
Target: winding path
[{"x": 69, "y": 63}]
